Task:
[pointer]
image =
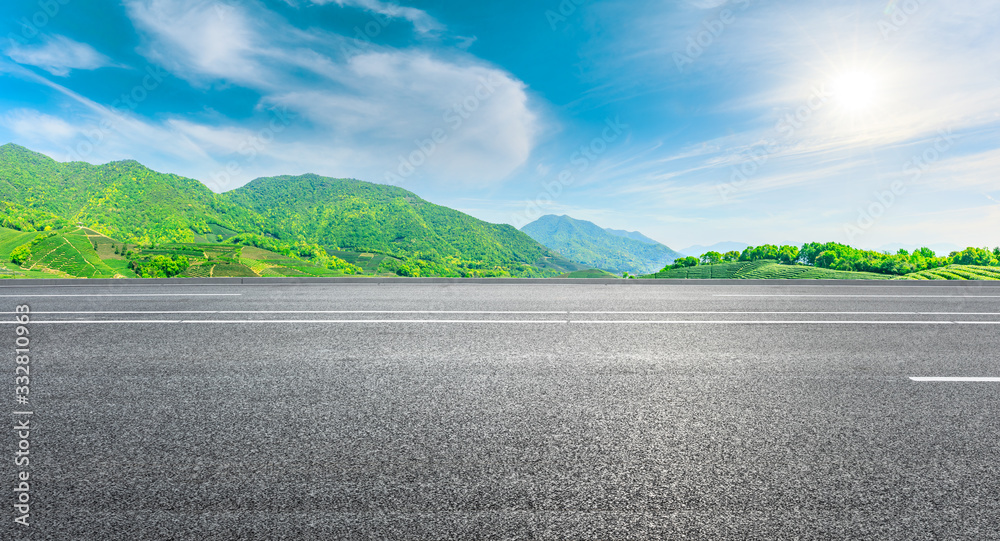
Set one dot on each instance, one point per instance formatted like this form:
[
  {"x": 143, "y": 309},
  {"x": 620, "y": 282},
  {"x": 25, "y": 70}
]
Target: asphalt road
[{"x": 506, "y": 411}]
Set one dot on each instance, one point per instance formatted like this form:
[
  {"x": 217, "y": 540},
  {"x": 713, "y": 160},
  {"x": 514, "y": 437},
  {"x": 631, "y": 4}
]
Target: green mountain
[
  {"x": 310, "y": 215},
  {"x": 634, "y": 235},
  {"x": 365, "y": 217},
  {"x": 588, "y": 244},
  {"x": 123, "y": 199}
]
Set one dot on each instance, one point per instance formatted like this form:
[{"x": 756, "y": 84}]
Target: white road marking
[
  {"x": 297, "y": 321},
  {"x": 959, "y": 380},
  {"x": 764, "y": 322},
  {"x": 130, "y": 295},
  {"x": 492, "y": 321},
  {"x": 876, "y": 296},
  {"x": 496, "y": 312},
  {"x": 562, "y": 312}
]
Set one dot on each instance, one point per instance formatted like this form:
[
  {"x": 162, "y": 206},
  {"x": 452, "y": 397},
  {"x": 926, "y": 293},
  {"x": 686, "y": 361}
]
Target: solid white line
[
  {"x": 764, "y": 322},
  {"x": 513, "y": 312},
  {"x": 298, "y": 321},
  {"x": 877, "y": 296},
  {"x": 563, "y": 312},
  {"x": 131, "y": 295},
  {"x": 491, "y": 321},
  {"x": 960, "y": 380}
]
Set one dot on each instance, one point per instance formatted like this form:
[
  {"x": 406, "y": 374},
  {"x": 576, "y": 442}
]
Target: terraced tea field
[
  {"x": 10, "y": 239},
  {"x": 70, "y": 255},
  {"x": 764, "y": 270},
  {"x": 957, "y": 272},
  {"x": 589, "y": 273},
  {"x": 105, "y": 247},
  {"x": 368, "y": 262}
]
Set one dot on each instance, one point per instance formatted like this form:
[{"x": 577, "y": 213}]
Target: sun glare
[{"x": 855, "y": 91}]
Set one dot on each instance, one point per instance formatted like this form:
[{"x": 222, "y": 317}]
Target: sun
[{"x": 855, "y": 91}]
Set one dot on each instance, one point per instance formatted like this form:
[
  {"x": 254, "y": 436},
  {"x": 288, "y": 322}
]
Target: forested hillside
[
  {"x": 365, "y": 217},
  {"x": 588, "y": 244},
  {"x": 310, "y": 215},
  {"x": 124, "y": 200}
]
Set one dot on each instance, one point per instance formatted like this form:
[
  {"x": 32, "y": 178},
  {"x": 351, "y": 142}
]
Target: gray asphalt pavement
[{"x": 532, "y": 410}]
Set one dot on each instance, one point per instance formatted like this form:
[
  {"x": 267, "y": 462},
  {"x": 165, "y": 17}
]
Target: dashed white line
[
  {"x": 875, "y": 296},
  {"x": 129, "y": 295},
  {"x": 957, "y": 380}
]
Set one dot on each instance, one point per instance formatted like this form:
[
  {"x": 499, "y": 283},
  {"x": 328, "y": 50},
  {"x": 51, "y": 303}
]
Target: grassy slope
[
  {"x": 127, "y": 201},
  {"x": 593, "y": 246},
  {"x": 589, "y": 273},
  {"x": 957, "y": 272},
  {"x": 271, "y": 264},
  {"x": 372, "y": 218},
  {"x": 123, "y": 200},
  {"x": 69, "y": 254},
  {"x": 765, "y": 270}
]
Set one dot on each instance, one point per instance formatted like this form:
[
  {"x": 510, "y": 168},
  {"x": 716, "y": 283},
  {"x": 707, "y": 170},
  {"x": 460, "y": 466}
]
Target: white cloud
[
  {"x": 933, "y": 73},
  {"x": 37, "y": 127},
  {"x": 200, "y": 39},
  {"x": 360, "y": 112},
  {"x": 421, "y": 20},
  {"x": 59, "y": 55}
]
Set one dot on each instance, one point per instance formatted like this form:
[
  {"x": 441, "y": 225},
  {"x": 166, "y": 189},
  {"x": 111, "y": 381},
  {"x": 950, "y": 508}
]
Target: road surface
[{"x": 530, "y": 410}]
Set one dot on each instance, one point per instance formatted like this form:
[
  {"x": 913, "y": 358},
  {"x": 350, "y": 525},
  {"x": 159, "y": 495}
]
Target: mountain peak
[
  {"x": 12, "y": 149},
  {"x": 587, "y": 243}
]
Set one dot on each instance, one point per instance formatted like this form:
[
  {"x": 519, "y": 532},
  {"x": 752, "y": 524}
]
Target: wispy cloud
[
  {"x": 37, "y": 127},
  {"x": 58, "y": 55},
  {"x": 459, "y": 119},
  {"x": 932, "y": 73},
  {"x": 421, "y": 20}
]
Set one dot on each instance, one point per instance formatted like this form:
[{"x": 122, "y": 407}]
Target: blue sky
[{"x": 693, "y": 121}]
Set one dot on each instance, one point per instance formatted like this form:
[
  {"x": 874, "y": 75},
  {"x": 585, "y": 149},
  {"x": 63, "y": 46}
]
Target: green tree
[
  {"x": 788, "y": 254},
  {"x": 21, "y": 254},
  {"x": 731, "y": 256},
  {"x": 975, "y": 256},
  {"x": 685, "y": 262},
  {"x": 711, "y": 258}
]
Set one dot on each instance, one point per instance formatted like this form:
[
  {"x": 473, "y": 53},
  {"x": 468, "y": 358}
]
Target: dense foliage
[
  {"x": 592, "y": 246},
  {"x": 353, "y": 215},
  {"x": 161, "y": 266},
  {"x": 841, "y": 257},
  {"x": 135, "y": 205},
  {"x": 21, "y": 254},
  {"x": 22, "y": 218},
  {"x": 123, "y": 200}
]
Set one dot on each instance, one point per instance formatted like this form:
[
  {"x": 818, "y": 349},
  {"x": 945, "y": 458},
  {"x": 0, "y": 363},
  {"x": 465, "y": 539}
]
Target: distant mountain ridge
[
  {"x": 129, "y": 202},
  {"x": 634, "y": 235},
  {"x": 588, "y": 244}
]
